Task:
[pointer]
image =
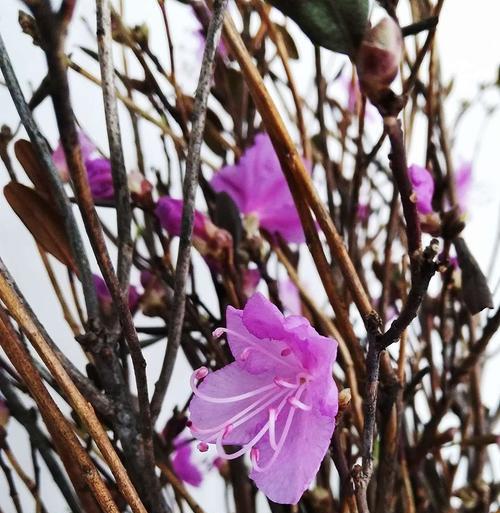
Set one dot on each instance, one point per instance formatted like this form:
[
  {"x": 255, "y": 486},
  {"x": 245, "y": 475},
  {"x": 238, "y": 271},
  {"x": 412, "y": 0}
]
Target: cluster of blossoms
[{"x": 277, "y": 400}]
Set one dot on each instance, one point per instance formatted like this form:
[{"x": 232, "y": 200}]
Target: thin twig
[
  {"x": 120, "y": 185},
  {"x": 190, "y": 185}
]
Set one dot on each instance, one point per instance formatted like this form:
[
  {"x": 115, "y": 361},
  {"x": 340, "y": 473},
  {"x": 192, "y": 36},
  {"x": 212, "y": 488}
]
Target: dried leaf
[
  {"x": 27, "y": 157},
  {"x": 338, "y": 25},
  {"x": 291, "y": 47},
  {"x": 477, "y": 295},
  {"x": 43, "y": 222}
]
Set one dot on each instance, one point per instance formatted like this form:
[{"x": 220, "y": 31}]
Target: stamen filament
[
  {"x": 281, "y": 443},
  {"x": 259, "y": 347},
  {"x": 231, "y": 399}
]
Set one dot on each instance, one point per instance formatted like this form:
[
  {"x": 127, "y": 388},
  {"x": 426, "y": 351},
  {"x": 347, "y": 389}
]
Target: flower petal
[
  {"x": 263, "y": 319},
  {"x": 256, "y": 354},
  {"x": 299, "y": 460},
  {"x": 227, "y": 382},
  {"x": 182, "y": 464}
]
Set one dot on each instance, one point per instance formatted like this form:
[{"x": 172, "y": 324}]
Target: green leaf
[{"x": 338, "y": 25}]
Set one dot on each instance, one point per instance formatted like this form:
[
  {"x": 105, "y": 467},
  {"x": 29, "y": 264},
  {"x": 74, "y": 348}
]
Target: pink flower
[
  {"x": 182, "y": 463},
  {"x": 463, "y": 182},
  {"x": 100, "y": 178},
  {"x": 169, "y": 212},
  {"x": 278, "y": 400},
  {"x": 98, "y": 169},
  {"x": 423, "y": 187},
  {"x": 290, "y": 297},
  {"x": 106, "y": 300},
  {"x": 251, "y": 279},
  {"x": 259, "y": 189},
  {"x": 87, "y": 148},
  {"x": 212, "y": 242}
]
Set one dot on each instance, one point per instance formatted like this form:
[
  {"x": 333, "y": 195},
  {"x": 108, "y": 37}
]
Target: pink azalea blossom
[
  {"x": 290, "y": 297},
  {"x": 169, "y": 212},
  {"x": 87, "y": 147},
  {"x": 259, "y": 189},
  {"x": 98, "y": 168},
  {"x": 106, "y": 300},
  {"x": 423, "y": 187},
  {"x": 182, "y": 463},
  {"x": 278, "y": 400},
  {"x": 100, "y": 178},
  {"x": 212, "y": 242}
]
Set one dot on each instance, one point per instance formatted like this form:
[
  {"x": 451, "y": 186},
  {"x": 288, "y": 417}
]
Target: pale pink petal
[
  {"x": 169, "y": 212},
  {"x": 230, "y": 381},
  {"x": 262, "y": 318},
  {"x": 256, "y": 354},
  {"x": 423, "y": 187},
  {"x": 463, "y": 182},
  {"x": 290, "y": 297},
  {"x": 305, "y": 447},
  {"x": 182, "y": 463}
]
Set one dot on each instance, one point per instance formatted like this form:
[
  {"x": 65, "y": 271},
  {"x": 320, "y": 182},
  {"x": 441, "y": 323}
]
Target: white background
[{"x": 468, "y": 44}]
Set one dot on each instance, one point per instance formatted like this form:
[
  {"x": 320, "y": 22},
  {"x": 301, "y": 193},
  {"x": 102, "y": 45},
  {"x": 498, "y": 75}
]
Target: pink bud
[{"x": 379, "y": 57}]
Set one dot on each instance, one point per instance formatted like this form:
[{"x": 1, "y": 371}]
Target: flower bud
[
  {"x": 379, "y": 57},
  {"x": 140, "y": 188}
]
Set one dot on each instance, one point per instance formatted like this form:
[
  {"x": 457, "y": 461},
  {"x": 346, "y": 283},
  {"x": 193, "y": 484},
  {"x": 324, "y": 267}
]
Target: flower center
[{"x": 273, "y": 397}]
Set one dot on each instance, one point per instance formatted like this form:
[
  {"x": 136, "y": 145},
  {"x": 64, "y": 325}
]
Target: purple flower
[
  {"x": 169, "y": 212},
  {"x": 87, "y": 148},
  {"x": 463, "y": 182},
  {"x": 98, "y": 169},
  {"x": 278, "y": 400},
  {"x": 100, "y": 178},
  {"x": 259, "y": 189},
  {"x": 182, "y": 463},
  {"x": 363, "y": 211},
  {"x": 212, "y": 242},
  {"x": 105, "y": 299},
  {"x": 423, "y": 187},
  {"x": 290, "y": 297}
]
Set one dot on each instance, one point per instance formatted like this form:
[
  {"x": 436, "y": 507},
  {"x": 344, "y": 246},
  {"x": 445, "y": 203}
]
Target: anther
[
  {"x": 227, "y": 430},
  {"x": 285, "y": 352},
  {"x": 203, "y": 447},
  {"x": 201, "y": 373},
  {"x": 189, "y": 423},
  {"x": 254, "y": 454}
]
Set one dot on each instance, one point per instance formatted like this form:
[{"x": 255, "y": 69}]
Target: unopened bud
[
  {"x": 379, "y": 57},
  {"x": 344, "y": 398}
]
